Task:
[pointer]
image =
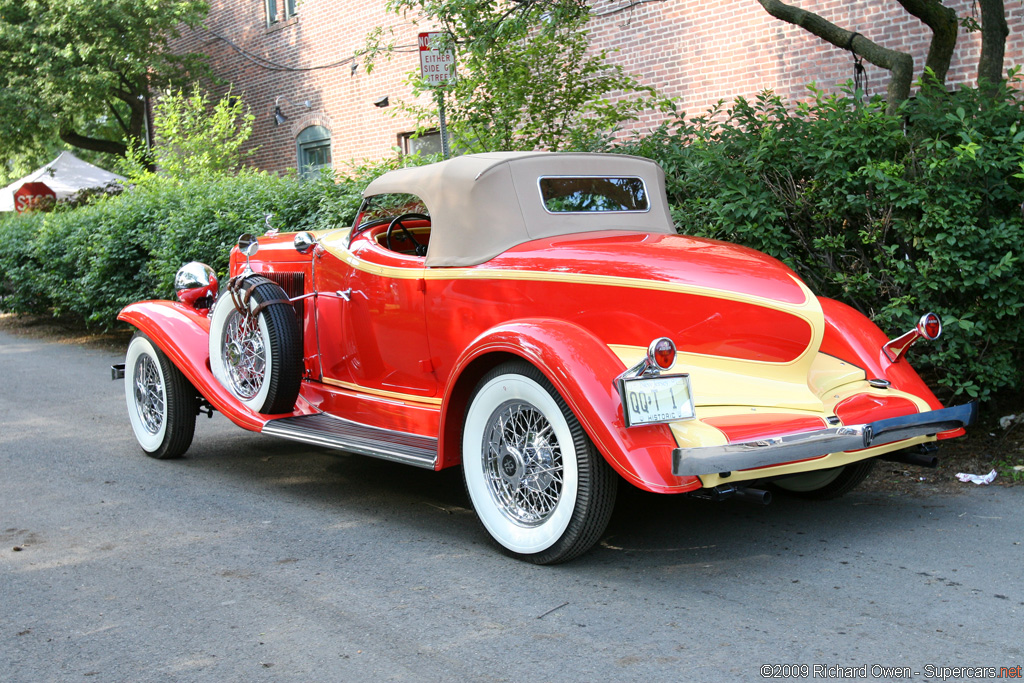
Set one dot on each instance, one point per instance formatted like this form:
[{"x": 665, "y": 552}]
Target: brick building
[{"x": 293, "y": 61}]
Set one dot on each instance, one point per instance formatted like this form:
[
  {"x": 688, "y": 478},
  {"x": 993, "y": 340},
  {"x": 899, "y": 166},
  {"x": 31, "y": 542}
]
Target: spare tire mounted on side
[{"x": 254, "y": 345}]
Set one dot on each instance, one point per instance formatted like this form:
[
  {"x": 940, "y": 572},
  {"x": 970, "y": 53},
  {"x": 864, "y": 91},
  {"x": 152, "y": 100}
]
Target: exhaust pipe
[
  {"x": 756, "y": 496},
  {"x": 726, "y": 491},
  {"x": 922, "y": 456}
]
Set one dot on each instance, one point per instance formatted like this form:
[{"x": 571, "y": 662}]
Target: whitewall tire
[
  {"x": 536, "y": 482},
  {"x": 162, "y": 403}
]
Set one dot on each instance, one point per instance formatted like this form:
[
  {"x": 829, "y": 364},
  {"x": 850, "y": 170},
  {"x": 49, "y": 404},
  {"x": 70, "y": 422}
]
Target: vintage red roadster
[{"x": 536, "y": 319}]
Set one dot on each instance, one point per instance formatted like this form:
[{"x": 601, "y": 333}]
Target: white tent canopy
[{"x": 65, "y": 175}]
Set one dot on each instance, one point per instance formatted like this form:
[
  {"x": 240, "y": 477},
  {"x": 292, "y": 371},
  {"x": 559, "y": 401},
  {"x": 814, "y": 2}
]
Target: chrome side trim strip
[
  {"x": 777, "y": 450},
  {"x": 321, "y": 429}
]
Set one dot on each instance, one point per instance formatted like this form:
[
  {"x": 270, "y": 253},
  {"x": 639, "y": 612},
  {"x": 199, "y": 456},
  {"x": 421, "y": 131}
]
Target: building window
[
  {"x": 314, "y": 150},
  {"x": 279, "y": 10},
  {"x": 424, "y": 143}
]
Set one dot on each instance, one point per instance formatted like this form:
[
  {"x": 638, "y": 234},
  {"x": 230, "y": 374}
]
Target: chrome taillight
[
  {"x": 928, "y": 327},
  {"x": 661, "y": 354}
]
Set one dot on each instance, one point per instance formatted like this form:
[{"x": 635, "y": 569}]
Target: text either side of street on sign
[{"x": 437, "y": 63}]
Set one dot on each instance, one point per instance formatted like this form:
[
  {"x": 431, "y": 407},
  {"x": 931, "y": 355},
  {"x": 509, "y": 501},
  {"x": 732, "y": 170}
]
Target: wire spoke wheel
[
  {"x": 150, "y": 401},
  {"x": 245, "y": 355},
  {"x": 524, "y": 463},
  {"x": 256, "y": 352}
]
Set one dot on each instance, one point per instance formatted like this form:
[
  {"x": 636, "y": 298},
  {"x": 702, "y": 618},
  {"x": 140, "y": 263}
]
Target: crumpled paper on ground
[{"x": 977, "y": 478}]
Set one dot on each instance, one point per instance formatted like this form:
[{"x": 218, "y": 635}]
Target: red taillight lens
[
  {"x": 930, "y": 326},
  {"x": 662, "y": 353}
]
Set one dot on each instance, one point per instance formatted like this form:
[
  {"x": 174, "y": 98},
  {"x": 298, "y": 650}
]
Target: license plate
[{"x": 650, "y": 400}]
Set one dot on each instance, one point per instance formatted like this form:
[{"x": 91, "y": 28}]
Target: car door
[{"x": 371, "y": 325}]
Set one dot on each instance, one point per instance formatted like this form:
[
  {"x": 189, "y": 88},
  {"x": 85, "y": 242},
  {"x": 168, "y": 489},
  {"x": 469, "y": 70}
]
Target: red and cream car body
[{"x": 536, "y": 319}]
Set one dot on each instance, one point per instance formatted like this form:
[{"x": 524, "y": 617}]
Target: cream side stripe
[
  {"x": 405, "y": 398},
  {"x": 809, "y": 302}
]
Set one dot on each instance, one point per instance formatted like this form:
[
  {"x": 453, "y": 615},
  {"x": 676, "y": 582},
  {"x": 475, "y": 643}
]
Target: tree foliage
[
  {"x": 526, "y": 78},
  {"x": 83, "y": 69},
  {"x": 195, "y": 136}
]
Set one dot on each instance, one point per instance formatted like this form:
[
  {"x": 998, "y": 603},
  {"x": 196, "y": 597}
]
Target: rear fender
[
  {"x": 184, "y": 335},
  {"x": 851, "y": 336},
  {"x": 583, "y": 369}
]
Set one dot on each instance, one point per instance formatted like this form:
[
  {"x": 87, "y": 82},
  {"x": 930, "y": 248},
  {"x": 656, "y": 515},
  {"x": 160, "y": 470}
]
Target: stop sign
[{"x": 29, "y": 195}]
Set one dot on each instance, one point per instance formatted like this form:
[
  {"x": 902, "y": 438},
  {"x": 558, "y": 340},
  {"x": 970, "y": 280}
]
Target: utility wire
[{"x": 271, "y": 65}]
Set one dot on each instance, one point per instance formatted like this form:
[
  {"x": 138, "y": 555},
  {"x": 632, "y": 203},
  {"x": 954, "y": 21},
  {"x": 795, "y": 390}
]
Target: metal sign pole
[{"x": 445, "y": 152}]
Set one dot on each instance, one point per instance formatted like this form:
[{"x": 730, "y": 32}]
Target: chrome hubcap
[
  {"x": 522, "y": 463},
  {"x": 149, "y": 393},
  {"x": 245, "y": 356}
]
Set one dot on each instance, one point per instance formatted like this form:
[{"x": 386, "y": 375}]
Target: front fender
[
  {"x": 582, "y": 369},
  {"x": 184, "y": 335}
]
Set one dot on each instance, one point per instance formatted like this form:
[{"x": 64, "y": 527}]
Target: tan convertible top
[{"x": 483, "y": 204}]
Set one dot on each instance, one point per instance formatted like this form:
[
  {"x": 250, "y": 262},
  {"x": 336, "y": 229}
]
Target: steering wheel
[{"x": 419, "y": 249}]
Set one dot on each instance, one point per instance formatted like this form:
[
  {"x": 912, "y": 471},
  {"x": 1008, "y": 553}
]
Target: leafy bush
[
  {"x": 95, "y": 259},
  {"x": 195, "y": 136},
  {"x": 893, "y": 214},
  {"x": 21, "y": 289}
]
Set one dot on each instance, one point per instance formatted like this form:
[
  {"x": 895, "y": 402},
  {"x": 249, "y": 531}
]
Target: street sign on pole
[{"x": 437, "y": 68}]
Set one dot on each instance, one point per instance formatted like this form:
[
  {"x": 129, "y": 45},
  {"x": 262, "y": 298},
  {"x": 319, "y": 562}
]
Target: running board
[{"x": 321, "y": 429}]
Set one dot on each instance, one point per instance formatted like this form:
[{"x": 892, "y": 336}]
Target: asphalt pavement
[{"x": 254, "y": 559}]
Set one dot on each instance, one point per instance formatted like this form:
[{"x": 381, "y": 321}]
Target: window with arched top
[{"x": 314, "y": 145}]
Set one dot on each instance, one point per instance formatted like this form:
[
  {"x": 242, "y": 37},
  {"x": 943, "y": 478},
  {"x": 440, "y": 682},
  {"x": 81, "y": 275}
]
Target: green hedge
[
  {"x": 893, "y": 214},
  {"x": 93, "y": 260},
  {"x": 21, "y": 267}
]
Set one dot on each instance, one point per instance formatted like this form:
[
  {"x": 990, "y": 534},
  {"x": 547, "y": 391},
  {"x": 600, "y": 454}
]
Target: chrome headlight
[{"x": 196, "y": 285}]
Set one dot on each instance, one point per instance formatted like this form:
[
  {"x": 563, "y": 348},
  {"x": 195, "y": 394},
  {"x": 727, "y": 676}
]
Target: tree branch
[
  {"x": 137, "y": 109},
  {"x": 899, "y": 64},
  {"x": 95, "y": 144},
  {"x": 942, "y": 21},
  {"x": 993, "y": 42},
  {"x": 120, "y": 121}
]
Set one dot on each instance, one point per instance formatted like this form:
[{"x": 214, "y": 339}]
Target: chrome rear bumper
[{"x": 777, "y": 450}]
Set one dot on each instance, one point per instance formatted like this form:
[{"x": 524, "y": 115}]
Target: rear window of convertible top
[{"x": 587, "y": 194}]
